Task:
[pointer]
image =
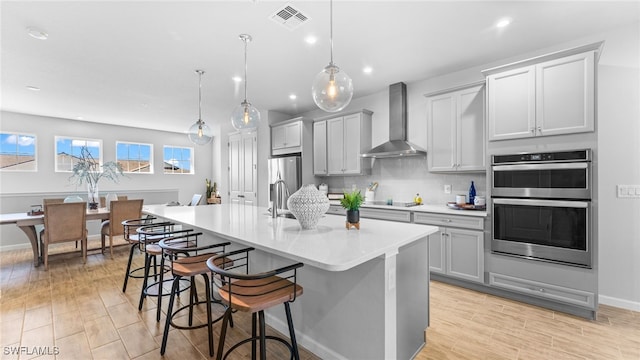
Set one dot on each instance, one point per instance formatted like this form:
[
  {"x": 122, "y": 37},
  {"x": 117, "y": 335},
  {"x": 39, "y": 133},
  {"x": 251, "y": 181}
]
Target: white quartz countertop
[
  {"x": 330, "y": 246},
  {"x": 430, "y": 208}
]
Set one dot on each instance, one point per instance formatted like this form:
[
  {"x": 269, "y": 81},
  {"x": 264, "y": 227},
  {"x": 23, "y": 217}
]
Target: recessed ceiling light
[
  {"x": 367, "y": 70},
  {"x": 310, "y": 39},
  {"x": 503, "y": 22},
  {"x": 237, "y": 79},
  {"x": 33, "y": 88},
  {"x": 293, "y": 96},
  {"x": 36, "y": 33}
]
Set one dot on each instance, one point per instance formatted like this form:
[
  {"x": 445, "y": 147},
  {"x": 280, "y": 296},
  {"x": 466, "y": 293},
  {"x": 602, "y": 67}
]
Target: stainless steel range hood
[{"x": 397, "y": 145}]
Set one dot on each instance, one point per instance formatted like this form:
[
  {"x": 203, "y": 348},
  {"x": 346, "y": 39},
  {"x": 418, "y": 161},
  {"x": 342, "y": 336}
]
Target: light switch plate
[
  {"x": 628, "y": 191},
  {"x": 447, "y": 189}
]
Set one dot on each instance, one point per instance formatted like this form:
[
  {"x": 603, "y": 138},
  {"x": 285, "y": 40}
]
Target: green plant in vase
[
  {"x": 86, "y": 169},
  {"x": 352, "y": 202},
  {"x": 210, "y": 191}
]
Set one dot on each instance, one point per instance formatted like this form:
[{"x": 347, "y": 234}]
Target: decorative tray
[{"x": 453, "y": 205}]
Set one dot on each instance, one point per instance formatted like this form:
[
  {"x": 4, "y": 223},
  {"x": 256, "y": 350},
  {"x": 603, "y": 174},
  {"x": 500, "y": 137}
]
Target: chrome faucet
[{"x": 278, "y": 199}]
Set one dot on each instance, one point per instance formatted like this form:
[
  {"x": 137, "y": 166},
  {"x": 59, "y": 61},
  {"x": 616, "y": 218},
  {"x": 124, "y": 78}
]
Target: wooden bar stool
[
  {"x": 188, "y": 260},
  {"x": 254, "y": 293},
  {"x": 131, "y": 236},
  {"x": 148, "y": 238}
]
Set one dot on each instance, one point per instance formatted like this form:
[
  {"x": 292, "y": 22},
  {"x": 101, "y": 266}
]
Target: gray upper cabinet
[
  {"x": 286, "y": 137},
  {"x": 320, "y": 148},
  {"x": 338, "y": 143},
  {"x": 550, "y": 95},
  {"x": 456, "y": 130}
]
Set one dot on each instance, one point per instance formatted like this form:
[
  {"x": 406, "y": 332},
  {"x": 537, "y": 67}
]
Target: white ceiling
[{"x": 132, "y": 62}]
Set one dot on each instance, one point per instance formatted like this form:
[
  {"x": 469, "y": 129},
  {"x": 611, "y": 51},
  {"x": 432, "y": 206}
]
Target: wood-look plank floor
[{"x": 77, "y": 311}]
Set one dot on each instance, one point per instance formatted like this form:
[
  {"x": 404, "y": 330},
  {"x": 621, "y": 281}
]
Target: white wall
[
  {"x": 619, "y": 163},
  {"x": 47, "y": 181}
]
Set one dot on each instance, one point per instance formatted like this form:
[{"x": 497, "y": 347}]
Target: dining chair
[
  {"x": 121, "y": 210},
  {"x": 64, "y": 222},
  {"x": 52, "y": 201},
  {"x": 103, "y": 200}
]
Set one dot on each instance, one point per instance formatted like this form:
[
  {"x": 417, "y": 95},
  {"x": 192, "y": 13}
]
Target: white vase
[
  {"x": 93, "y": 198},
  {"x": 308, "y": 205}
]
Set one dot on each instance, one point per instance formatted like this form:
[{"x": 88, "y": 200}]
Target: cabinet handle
[
  {"x": 446, "y": 220},
  {"x": 533, "y": 130},
  {"x": 539, "y": 129},
  {"x": 240, "y": 196}
]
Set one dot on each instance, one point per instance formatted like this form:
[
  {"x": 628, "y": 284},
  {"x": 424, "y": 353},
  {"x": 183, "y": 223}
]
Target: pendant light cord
[
  {"x": 200, "y": 95},
  {"x": 245, "y": 68},
  {"x": 331, "y": 29}
]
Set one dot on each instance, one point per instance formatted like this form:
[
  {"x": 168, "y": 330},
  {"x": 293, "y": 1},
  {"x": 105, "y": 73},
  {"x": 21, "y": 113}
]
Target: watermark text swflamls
[{"x": 31, "y": 350}]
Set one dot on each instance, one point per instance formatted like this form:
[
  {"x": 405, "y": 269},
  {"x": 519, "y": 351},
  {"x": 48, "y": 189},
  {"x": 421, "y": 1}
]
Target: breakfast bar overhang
[{"x": 366, "y": 292}]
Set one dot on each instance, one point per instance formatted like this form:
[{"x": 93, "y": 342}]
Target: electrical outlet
[
  {"x": 447, "y": 189},
  {"x": 628, "y": 191}
]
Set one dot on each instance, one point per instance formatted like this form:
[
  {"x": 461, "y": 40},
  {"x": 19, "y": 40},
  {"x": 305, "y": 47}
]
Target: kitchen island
[{"x": 366, "y": 292}]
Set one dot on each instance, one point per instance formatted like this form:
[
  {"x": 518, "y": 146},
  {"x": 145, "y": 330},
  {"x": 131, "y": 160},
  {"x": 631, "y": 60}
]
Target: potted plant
[
  {"x": 212, "y": 192},
  {"x": 352, "y": 201},
  {"x": 87, "y": 170}
]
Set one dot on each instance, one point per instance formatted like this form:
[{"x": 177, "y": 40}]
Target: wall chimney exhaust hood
[{"x": 397, "y": 145}]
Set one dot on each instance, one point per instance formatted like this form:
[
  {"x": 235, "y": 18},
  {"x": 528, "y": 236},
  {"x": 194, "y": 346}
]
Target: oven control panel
[{"x": 560, "y": 156}]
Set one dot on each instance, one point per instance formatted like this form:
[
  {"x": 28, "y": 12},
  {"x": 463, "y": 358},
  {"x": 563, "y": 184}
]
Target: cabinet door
[
  {"x": 511, "y": 104},
  {"x": 470, "y": 153},
  {"x": 335, "y": 146},
  {"x": 437, "y": 252},
  {"x": 352, "y": 159},
  {"x": 442, "y": 132},
  {"x": 293, "y": 134},
  {"x": 278, "y": 137},
  {"x": 465, "y": 254},
  {"x": 565, "y": 95},
  {"x": 320, "y": 148}
]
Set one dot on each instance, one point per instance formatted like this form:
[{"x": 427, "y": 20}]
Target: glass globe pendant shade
[
  {"x": 332, "y": 89},
  {"x": 245, "y": 117},
  {"x": 200, "y": 133}
]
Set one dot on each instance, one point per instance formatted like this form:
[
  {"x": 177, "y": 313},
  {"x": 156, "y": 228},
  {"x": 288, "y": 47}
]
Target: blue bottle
[{"x": 472, "y": 194}]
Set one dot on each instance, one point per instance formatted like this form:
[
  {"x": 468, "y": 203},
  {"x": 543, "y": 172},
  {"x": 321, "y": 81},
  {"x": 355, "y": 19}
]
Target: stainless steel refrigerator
[{"x": 288, "y": 169}]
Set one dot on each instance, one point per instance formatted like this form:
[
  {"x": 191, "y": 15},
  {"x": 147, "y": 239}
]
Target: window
[
  {"x": 68, "y": 150},
  {"x": 135, "y": 158},
  {"x": 178, "y": 160},
  {"x": 17, "y": 152}
]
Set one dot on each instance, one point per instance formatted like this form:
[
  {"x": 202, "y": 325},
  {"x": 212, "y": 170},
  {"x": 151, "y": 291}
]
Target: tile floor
[{"x": 77, "y": 311}]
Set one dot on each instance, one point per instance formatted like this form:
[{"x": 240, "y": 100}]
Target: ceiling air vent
[{"x": 289, "y": 17}]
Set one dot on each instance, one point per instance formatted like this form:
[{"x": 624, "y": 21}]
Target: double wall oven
[{"x": 542, "y": 206}]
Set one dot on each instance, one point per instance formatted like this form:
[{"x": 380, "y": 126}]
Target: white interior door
[{"x": 243, "y": 165}]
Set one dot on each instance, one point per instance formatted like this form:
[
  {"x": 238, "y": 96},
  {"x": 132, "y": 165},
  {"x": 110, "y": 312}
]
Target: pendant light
[
  {"x": 200, "y": 133},
  {"x": 245, "y": 117},
  {"x": 332, "y": 88}
]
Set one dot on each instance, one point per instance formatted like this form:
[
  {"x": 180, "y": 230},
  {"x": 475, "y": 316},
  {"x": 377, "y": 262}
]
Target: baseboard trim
[
  {"x": 313, "y": 346},
  {"x": 4, "y": 248},
  {"x": 619, "y": 303}
]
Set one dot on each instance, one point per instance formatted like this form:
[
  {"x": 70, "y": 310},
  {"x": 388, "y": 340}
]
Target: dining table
[{"x": 27, "y": 223}]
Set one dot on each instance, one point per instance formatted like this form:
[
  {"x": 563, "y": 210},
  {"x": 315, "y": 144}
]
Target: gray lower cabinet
[
  {"x": 385, "y": 214},
  {"x": 457, "y": 250},
  {"x": 543, "y": 290}
]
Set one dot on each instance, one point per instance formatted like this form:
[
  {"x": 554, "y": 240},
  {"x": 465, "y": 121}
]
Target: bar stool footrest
[
  {"x": 197, "y": 326},
  {"x": 257, "y": 338},
  {"x": 152, "y": 289}
]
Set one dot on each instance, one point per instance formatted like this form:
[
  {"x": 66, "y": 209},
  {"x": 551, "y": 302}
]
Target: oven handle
[
  {"x": 578, "y": 165},
  {"x": 540, "y": 202}
]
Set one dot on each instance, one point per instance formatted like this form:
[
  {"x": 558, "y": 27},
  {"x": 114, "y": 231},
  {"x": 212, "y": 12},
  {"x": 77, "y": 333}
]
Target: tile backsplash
[{"x": 401, "y": 178}]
